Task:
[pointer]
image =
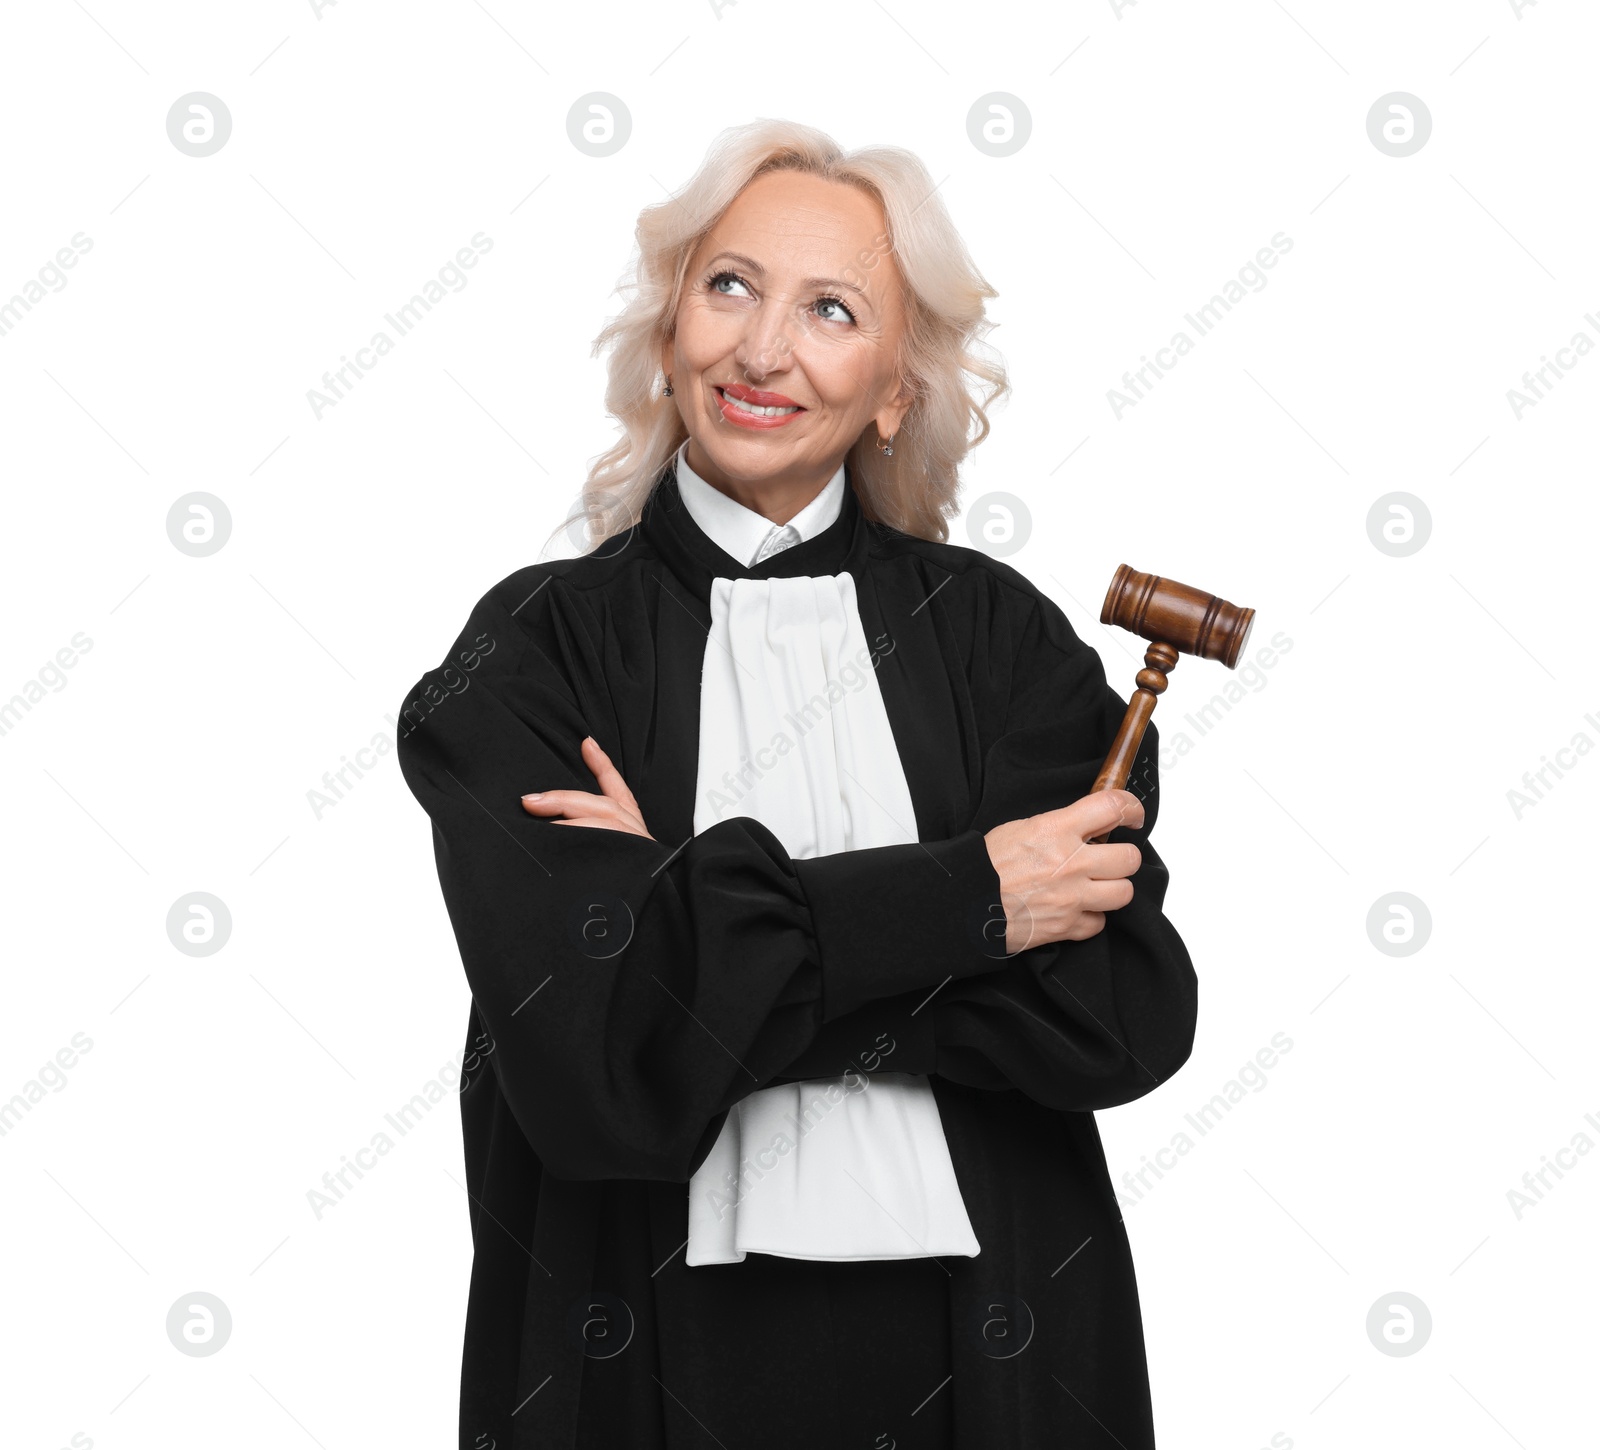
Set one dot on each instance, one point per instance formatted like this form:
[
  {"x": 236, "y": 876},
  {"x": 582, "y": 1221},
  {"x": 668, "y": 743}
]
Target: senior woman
[{"x": 766, "y": 832}]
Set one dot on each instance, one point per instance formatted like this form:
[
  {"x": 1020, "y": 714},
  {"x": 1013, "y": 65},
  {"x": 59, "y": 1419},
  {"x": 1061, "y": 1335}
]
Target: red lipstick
[{"x": 731, "y": 396}]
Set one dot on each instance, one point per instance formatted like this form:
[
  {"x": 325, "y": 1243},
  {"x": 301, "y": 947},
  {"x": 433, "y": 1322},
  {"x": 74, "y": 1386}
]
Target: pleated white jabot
[{"x": 793, "y": 732}]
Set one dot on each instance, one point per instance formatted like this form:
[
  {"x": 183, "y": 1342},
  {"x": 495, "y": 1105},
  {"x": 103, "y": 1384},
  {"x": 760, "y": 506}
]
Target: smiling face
[{"x": 787, "y": 340}]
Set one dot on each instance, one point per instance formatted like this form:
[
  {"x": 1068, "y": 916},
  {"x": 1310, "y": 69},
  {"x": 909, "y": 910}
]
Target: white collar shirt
[{"x": 744, "y": 534}]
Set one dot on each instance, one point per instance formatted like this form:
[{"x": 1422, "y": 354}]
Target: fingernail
[{"x": 535, "y": 795}]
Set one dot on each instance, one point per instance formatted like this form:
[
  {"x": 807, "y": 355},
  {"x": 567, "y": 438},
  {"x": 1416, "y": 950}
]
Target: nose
[{"x": 767, "y": 346}]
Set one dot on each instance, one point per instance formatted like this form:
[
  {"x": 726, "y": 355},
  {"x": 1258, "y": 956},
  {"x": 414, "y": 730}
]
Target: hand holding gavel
[
  {"x": 1056, "y": 882},
  {"x": 1058, "y": 877}
]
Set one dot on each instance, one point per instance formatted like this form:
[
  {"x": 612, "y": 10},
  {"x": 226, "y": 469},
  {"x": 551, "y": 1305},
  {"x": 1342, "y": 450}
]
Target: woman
[{"x": 764, "y": 830}]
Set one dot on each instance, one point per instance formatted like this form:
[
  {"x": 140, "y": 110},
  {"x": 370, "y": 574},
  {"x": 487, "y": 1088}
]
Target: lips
[
  {"x": 756, "y": 397},
  {"x": 752, "y": 408}
]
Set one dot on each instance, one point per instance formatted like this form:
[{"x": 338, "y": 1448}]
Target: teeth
[{"x": 744, "y": 407}]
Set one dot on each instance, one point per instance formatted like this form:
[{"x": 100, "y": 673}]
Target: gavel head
[{"x": 1164, "y": 611}]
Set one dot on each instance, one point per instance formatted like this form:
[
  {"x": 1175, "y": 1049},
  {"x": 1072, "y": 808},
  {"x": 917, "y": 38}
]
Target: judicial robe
[{"x": 627, "y": 992}]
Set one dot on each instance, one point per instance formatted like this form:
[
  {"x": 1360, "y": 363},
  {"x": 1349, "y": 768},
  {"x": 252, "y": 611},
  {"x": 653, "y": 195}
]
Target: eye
[
  {"x": 716, "y": 279},
  {"x": 822, "y": 302}
]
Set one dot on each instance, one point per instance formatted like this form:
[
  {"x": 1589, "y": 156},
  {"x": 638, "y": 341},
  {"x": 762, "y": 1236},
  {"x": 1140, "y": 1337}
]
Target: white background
[{"x": 1169, "y": 142}]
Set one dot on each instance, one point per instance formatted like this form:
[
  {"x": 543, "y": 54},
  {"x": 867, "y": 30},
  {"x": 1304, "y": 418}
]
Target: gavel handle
[
  {"x": 1125, "y": 748},
  {"x": 1159, "y": 661}
]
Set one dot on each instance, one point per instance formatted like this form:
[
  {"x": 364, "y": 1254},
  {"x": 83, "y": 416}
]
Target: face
[{"x": 787, "y": 338}]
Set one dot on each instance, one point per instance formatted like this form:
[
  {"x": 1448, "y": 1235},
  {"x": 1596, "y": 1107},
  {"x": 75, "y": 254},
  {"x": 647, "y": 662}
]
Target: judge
[{"x": 765, "y": 829}]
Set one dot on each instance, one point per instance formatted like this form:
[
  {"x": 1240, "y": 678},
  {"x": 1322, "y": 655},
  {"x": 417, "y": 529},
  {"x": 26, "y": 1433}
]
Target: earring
[
  {"x": 888, "y": 448},
  {"x": 666, "y": 392}
]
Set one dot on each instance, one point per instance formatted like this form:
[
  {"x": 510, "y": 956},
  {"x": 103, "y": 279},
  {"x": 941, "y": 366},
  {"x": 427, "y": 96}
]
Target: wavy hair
[{"x": 953, "y": 375}]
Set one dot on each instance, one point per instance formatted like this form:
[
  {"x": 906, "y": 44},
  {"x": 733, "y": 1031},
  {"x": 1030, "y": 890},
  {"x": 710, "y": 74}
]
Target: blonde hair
[{"x": 942, "y": 352}]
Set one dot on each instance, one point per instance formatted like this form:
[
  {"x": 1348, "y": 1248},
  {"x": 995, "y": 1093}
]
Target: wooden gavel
[{"x": 1176, "y": 619}]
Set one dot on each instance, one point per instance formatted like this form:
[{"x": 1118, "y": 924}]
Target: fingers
[
  {"x": 1101, "y": 896},
  {"x": 613, "y": 810},
  {"x": 1103, "y": 861},
  {"x": 585, "y": 808},
  {"x": 612, "y": 786},
  {"x": 609, "y": 777},
  {"x": 1111, "y": 860},
  {"x": 579, "y": 803},
  {"x": 1104, "y": 810},
  {"x": 565, "y": 802},
  {"x": 1088, "y": 924}
]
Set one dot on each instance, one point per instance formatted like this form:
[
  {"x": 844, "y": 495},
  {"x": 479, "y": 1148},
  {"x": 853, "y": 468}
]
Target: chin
[{"x": 749, "y": 459}]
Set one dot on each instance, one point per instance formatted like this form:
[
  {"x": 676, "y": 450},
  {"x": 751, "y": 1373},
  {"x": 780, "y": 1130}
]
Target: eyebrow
[{"x": 750, "y": 264}]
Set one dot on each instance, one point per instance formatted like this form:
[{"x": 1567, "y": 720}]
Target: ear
[
  {"x": 892, "y": 414},
  {"x": 665, "y": 359}
]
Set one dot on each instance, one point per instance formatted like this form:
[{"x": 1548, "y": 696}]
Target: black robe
[{"x": 626, "y": 992}]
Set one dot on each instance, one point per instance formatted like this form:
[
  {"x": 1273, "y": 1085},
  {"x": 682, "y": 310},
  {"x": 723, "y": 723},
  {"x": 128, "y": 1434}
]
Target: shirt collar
[{"x": 742, "y": 533}]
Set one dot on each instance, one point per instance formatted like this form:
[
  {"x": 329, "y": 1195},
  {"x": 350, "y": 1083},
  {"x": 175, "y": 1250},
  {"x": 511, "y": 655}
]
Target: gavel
[{"x": 1176, "y": 619}]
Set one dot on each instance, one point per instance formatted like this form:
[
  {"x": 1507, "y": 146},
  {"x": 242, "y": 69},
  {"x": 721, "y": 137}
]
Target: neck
[{"x": 778, "y": 498}]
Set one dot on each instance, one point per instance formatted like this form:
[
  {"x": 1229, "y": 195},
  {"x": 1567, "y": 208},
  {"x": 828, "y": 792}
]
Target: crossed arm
[{"x": 1056, "y": 884}]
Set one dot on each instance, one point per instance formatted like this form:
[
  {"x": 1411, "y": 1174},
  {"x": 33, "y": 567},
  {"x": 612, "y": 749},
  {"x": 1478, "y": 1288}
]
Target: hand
[
  {"x": 615, "y": 810},
  {"x": 1055, "y": 884}
]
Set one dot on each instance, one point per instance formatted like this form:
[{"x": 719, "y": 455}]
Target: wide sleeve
[
  {"x": 1074, "y": 1025},
  {"x": 636, "y": 989}
]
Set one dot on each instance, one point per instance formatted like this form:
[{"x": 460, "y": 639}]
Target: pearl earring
[{"x": 666, "y": 392}]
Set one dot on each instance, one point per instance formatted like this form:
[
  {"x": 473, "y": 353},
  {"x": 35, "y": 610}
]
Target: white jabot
[
  {"x": 748, "y": 536},
  {"x": 792, "y": 723}
]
